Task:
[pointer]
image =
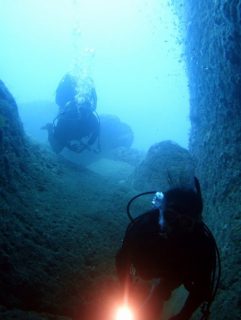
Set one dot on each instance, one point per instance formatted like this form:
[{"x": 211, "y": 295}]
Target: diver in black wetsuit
[
  {"x": 172, "y": 244},
  {"x": 77, "y": 126}
]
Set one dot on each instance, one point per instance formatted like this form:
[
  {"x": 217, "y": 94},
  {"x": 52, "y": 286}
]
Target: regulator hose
[{"x": 132, "y": 199}]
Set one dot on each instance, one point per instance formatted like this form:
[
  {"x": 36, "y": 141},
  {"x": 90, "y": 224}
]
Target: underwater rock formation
[
  {"x": 212, "y": 40},
  {"x": 165, "y": 163},
  {"x": 56, "y": 227},
  {"x": 129, "y": 155},
  {"x": 114, "y": 133},
  {"x": 12, "y": 140}
]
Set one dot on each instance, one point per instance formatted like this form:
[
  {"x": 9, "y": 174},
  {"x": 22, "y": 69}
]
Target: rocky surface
[
  {"x": 13, "y": 149},
  {"x": 57, "y": 221},
  {"x": 212, "y": 38}
]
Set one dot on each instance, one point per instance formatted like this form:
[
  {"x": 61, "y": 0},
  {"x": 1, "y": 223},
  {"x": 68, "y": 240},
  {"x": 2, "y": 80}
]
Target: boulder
[
  {"x": 166, "y": 164},
  {"x": 114, "y": 133},
  {"x": 12, "y": 139}
]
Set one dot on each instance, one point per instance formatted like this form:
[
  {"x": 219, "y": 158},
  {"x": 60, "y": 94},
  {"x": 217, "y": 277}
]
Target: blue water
[{"x": 131, "y": 49}]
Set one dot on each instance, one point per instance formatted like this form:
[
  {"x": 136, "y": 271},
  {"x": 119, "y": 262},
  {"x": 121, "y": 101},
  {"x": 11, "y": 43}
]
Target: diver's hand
[
  {"x": 78, "y": 148},
  {"x": 74, "y": 147}
]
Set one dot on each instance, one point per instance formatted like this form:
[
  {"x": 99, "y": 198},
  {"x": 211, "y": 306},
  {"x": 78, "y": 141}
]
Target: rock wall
[
  {"x": 12, "y": 140},
  {"x": 60, "y": 228},
  {"x": 212, "y": 40}
]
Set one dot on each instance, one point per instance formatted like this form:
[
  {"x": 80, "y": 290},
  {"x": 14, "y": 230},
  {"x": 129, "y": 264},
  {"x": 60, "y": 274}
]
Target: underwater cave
[{"x": 52, "y": 266}]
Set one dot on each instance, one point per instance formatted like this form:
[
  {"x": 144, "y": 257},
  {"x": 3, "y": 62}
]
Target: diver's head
[{"x": 181, "y": 209}]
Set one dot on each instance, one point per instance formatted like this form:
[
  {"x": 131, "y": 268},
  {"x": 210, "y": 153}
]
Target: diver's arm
[
  {"x": 93, "y": 138},
  {"x": 201, "y": 289},
  {"x": 199, "y": 292},
  {"x": 95, "y": 132},
  {"x": 75, "y": 147}
]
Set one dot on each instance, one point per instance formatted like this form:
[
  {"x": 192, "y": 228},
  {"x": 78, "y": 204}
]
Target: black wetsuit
[
  {"x": 71, "y": 127},
  {"x": 186, "y": 259}
]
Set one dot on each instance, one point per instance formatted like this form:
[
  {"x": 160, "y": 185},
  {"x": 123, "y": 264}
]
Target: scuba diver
[
  {"x": 77, "y": 125},
  {"x": 171, "y": 246}
]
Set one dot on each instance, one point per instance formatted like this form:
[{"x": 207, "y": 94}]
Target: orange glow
[{"x": 124, "y": 313}]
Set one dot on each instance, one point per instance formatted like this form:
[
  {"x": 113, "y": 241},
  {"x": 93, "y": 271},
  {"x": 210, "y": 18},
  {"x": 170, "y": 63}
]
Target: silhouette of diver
[
  {"x": 77, "y": 125},
  {"x": 171, "y": 244}
]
